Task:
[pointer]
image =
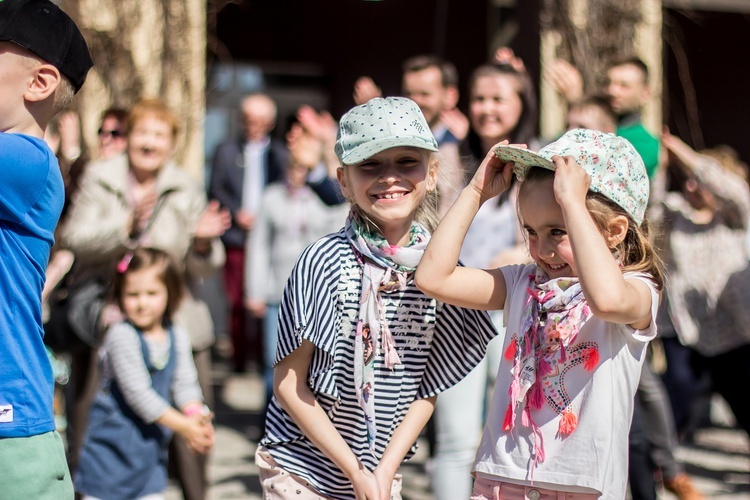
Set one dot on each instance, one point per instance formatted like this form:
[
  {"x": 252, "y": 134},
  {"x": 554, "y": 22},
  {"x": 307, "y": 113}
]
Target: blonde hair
[
  {"x": 428, "y": 210},
  {"x": 636, "y": 251}
]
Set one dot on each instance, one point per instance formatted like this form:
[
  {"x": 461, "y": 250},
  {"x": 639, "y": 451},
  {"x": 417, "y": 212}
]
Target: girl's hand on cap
[
  {"x": 493, "y": 176},
  {"x": 571, "y": 180}
]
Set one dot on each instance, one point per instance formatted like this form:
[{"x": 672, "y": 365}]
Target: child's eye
[
  {"x": 558, "y": 232},
  {"x": 408, "y": 161}
]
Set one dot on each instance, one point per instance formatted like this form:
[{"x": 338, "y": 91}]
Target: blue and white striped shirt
[{"x": 438, "y": 345}]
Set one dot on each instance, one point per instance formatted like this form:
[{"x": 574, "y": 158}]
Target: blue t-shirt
[{"x": 31, "y": 199}]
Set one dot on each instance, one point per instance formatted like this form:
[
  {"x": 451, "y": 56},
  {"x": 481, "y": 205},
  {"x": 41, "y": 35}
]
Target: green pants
[{"x": 34, "y": 468}]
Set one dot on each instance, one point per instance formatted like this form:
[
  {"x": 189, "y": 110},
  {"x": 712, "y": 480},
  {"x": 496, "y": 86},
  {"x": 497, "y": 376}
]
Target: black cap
[{"x": 42, "y": 28}]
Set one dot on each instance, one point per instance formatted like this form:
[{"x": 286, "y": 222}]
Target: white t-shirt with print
[{"x": 594, "y": 457}]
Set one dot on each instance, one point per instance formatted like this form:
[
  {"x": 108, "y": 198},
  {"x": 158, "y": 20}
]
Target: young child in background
[
  {"x": 362, "y": 353},
  {"x": 146, "y": 364},
  {"x": 578, "y": 320}
]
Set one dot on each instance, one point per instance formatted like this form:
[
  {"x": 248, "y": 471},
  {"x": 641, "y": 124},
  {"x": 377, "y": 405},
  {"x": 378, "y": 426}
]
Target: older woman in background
[{"x": 142, "y": 198}]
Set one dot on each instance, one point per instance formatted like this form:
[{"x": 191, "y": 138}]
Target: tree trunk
[
  {"x": 146, "y": 49},
  {"x": 593, "y": 33}
]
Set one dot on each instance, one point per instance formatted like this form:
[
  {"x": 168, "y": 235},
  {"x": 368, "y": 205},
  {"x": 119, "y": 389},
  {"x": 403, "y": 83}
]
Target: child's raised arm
[
  {"x": 609, "y": 295},
  {"x": 438, "y": 274}
]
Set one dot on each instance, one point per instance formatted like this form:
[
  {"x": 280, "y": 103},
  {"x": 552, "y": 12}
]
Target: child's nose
[
  {"x": 546, "y": 249},
  {"x": 486, "y": 106},
  {"x": 389, "y": 173}
]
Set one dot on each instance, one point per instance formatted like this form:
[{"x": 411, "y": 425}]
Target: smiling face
[
  {"x": 144, "y": 298},
  {"x": 495, "y": 107},
  {"x": 150, "y": 144},
  {"x": 389, "y": 187},
  {"x": 544, "y": 225}
]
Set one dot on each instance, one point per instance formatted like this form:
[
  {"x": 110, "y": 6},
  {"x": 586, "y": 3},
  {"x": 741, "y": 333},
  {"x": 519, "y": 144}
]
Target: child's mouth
[{"x": 389, "y": 196}]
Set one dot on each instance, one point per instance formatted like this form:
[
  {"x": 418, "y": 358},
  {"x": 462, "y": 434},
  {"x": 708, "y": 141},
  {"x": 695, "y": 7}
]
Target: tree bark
[
  {"x": 591, "y": 34},
  {"x": 145, "y": 49}
]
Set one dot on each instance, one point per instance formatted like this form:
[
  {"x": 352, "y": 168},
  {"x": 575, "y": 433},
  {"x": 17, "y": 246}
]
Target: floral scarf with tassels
[
  {"x": 385, "y": 268},
  {"x": 555, "y": 312}
]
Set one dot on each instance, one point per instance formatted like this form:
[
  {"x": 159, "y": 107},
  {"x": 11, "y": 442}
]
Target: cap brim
[
  {"x": 522, "y": 159},
  {"x": 368, "y": 149}
]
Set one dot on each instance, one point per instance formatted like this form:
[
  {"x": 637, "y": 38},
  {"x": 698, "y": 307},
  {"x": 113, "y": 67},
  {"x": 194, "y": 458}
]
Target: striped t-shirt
[{"x": 438, "y": 344}]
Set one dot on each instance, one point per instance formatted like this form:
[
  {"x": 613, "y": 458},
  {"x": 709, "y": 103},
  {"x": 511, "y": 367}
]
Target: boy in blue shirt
[{"x": 43, "y": 63}]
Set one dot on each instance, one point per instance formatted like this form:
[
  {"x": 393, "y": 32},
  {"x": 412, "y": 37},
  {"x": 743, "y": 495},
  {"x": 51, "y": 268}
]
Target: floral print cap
[
  {"x": 615, "y": 167},
  {"x": 380, "y": 124}
]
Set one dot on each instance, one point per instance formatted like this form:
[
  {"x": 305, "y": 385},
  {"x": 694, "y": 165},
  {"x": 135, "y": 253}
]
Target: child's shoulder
[
  {"x": 518, "y": 273},
  {"x": 325, "y": 255},
  {"x": 181, "y": 335},
  {"x": 641, "y": 276},
  {"x": 30, "y": 149},
  {"x": 119, "y": 334},
  {"x": 329, "y": 246}
]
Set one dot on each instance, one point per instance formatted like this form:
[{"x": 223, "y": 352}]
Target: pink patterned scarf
[
  {"x": 385, "y": 268},
  {"x": 556, "y": 310}
]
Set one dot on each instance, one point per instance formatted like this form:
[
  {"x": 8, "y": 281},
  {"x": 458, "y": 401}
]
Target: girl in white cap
[
  {"x": 362, "y": 353},
  {"x": 578, "y": 319}
]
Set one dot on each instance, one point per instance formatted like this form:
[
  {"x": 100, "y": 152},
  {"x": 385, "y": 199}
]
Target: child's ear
[
  {"x": 432, "y": 174},
  {"x": 617, "y": 230},
  {"x": 46, "y": 80},
  {"x": 341, "y": 176}
]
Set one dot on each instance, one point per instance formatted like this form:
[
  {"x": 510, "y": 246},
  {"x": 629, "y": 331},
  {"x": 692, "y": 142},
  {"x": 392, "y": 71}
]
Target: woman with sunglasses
[{"x": 111, "y": 133}]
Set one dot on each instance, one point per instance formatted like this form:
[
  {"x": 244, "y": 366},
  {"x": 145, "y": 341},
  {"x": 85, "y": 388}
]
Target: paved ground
[{"x": 718, "y": 460}]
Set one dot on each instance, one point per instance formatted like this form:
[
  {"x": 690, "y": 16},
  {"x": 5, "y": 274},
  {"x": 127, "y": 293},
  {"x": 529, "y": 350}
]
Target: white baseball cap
[
  {"x": 380, "y": 124},
  {"x": 615, "y": 167}
]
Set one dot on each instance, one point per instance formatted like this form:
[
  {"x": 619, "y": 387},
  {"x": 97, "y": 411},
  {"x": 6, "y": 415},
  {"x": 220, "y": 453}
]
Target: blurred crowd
[{"x": 273, "y": 190}]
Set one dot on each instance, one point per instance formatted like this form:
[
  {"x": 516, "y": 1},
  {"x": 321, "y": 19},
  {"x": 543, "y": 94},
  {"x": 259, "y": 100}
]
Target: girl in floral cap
[
  {"x": 362, "y": 353},
  {"x": 578, "y": 319}
]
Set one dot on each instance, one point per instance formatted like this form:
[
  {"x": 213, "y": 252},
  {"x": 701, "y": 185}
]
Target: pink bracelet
[{"x": 204, "y": 410}]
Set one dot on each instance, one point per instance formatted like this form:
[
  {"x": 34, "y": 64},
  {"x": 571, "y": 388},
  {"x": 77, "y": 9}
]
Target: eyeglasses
[{"x": 114, "y": 133}]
